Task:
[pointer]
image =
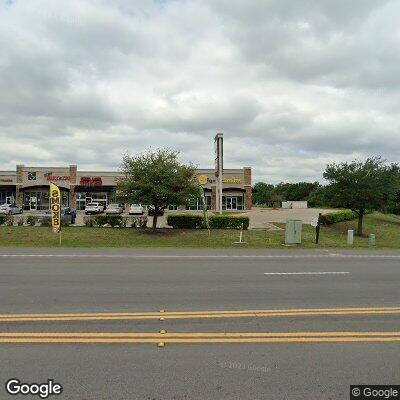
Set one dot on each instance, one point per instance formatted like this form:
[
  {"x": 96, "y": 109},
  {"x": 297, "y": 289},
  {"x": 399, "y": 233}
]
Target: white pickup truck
[{"x": 94, "y": 208}]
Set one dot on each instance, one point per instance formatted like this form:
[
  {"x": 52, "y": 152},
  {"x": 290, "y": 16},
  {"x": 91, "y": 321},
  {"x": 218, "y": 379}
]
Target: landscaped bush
[
  {"x": 2, "y": 219},
  {"x": 66, "y": 220},
  {"x": 100, "y": 220},
  {"x": 31, "y": 220},
  {"x": 45, "y": 221},
  {"x": 21, "y": 221},
  {"x": 185, "y": 221},
  {"x": 10, "y": 220},
  {"x": 114, "y": 220},
  {"x": 228, "y": 222},
  {"x": 139, "y": 222},
  {"x": 88, "y": 221},
  {"x": 339, "y": 216}
]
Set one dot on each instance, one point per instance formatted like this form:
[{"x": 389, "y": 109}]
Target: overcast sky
[{"x": 292, "y": 84}]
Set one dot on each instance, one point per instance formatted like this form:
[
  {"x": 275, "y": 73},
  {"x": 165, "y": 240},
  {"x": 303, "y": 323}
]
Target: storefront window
[
  {"x": 65, "y": 199},
  {"x": 196, "y": 203},
  {"x": 83, "y": 198},
  {"x": 39, "y": 200},
  {"x": 7, "y": 197}
]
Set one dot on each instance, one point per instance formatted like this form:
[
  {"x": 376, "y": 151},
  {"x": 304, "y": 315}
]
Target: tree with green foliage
[
  {"x": 262, "y": 193},
  {"x": 273, "y": 195},
  {"x": 157, "y": 179},
  {"x": 362, "y": 185},
  {"x": 317, "y": 198}
]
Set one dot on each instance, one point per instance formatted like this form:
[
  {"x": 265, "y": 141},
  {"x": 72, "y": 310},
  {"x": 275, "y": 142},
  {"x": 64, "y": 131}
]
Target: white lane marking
[
  {"x": 202, "y": 256},
  {"x": 306, "y": 273}
]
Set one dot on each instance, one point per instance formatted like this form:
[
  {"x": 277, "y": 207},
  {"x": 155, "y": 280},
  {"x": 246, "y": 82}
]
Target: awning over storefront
[
  {"x": 7, "y": 188},
  {"x": 94, "y": 189}
]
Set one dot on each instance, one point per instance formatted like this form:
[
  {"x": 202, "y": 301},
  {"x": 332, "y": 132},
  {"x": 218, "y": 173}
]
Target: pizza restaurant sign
[{"x": 54, "y": 178}]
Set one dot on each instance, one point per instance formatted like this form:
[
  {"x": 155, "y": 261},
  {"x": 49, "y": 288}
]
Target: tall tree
[
  {"x": 362, "y": 185},
  {"x": 157, "y": 179},
  {"x": 262, "y": 193}
]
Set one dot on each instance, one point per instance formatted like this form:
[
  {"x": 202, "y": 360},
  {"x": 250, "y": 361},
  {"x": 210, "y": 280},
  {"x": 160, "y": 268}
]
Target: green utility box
[{"x": 293, "y": 231}]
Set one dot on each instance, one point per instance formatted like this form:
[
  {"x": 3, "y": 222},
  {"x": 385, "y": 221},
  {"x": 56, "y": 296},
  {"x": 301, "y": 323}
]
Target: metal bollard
[{"x": 350, "y": 237}]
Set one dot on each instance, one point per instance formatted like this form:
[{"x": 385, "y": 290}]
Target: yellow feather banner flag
[{"x": 55, "y": 207}]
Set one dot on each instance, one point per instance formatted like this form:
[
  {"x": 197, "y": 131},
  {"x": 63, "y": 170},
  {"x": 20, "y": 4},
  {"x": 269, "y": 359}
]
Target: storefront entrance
[
  {"x": 232, "y": 203},
  {"x": 38, "y": 200}
]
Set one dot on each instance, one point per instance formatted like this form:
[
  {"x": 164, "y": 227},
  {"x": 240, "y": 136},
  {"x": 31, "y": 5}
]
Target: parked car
[
  {"x": 10, "y": 209},
  {"x": 115, "y": 208},
  {"x": 65, "y": 211},
  {"x": 152, "y": 212},
  {"x": 136, "y": 209},
  {"x": 94, "y": 208}
]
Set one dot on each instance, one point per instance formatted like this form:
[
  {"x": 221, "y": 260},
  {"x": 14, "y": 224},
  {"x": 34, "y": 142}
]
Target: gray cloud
[{"x": 294, "y": 85}]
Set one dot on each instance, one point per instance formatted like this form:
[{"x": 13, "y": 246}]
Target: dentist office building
[{"x": 28, "y": 187}]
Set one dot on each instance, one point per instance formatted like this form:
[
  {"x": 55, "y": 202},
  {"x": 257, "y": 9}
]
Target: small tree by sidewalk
[
  {"x": 157, "y": 179},
  {"x": 362, "y": 185}
]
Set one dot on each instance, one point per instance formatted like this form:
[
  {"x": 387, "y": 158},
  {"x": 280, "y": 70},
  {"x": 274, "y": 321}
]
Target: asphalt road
[{"x": 303, "y": 325}]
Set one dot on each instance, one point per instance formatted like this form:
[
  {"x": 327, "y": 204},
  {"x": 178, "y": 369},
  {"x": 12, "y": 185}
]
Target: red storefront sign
[
  {"x": 57, "y": 178},
  {"x": 91, "y": 181}
]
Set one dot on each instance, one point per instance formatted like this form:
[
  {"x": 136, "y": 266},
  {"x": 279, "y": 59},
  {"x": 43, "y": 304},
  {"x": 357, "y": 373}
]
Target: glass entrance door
[
  {"x": 34, "y": 199},
  {"x": 231, "y": 202}
]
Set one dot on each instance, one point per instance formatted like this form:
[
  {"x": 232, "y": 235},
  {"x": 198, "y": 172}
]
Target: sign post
[
  {"x": 203, "y": 181},
  {"x": 219, "y": 165},
  {"x": 55, "y": 208},
  {"x": 316, "y": 222}
]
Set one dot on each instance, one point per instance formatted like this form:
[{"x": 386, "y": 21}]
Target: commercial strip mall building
[{"x": 28, "y": 187}]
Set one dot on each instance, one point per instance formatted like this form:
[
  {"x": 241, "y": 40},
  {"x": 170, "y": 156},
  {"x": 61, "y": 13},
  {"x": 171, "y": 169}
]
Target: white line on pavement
[
  {"x": 306, "y": 273},
  {"x": 266, "y": 256}
]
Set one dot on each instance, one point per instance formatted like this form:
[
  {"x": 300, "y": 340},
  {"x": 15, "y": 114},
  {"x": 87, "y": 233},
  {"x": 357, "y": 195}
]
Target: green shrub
[
  {"x": 88, "y": 221},
  {"x": 339, "y": 216},
  {"x": 100, "y": 220},
  {"x": 228, "y": 222},
  {"x": 139, "y": 222},
  {"x": 45, "y": 221},
  {"x": 2, "y": 219},
  {"x": 124, "y": 221},
  {"x": 185, "y": 221},
  {"x": 114, "y": 220},
  {"x": 31, "y": 220},
  {"x": 10, "y": 220},
  {"x": 66, "y": 220},
  {"x": 21, "y": 221}
]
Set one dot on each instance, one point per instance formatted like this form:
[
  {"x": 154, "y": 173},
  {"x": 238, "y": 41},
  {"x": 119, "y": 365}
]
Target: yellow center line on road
[
  {"x": 198, "y": 314},
  {"x": 195, "y": 334},
  {"x": 197, "y": 339}
]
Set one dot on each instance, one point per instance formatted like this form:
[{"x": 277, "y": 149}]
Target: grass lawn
[{"x": 385, "y": 227}]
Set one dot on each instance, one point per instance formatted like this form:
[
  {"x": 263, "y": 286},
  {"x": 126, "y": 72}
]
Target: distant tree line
[
  {"x": 272, "y": 195},
  {"x": 360, "y": 186}
]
